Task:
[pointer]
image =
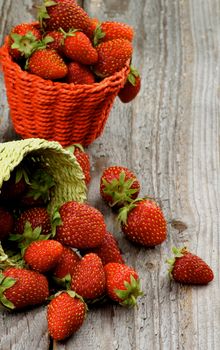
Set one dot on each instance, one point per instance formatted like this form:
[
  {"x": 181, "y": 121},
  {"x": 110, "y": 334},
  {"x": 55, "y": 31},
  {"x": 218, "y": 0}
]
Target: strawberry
[
  {"x": 58, "y": 40},
  {"x": 79, "y": 74},
  {"x": 77, "y": 47},
  {"x": 42, "y": 256},
  {"x": 188, "y": 268},
  {"x": 109, "y": 250},
  {"x": 65, "y": 315},
  {"x": 131, "y": 87},
  {"x": 23, "y": 39},
  {"x": 143, "y": 222},
  {"x": 122, "y": 283},
  {"x": 118, "y": 186},
  {"x": 21, "y": 288},
  {"x": 6, "y": 223},
  {"x": 112, "y": 56},
  {"x": 108, "y": 30},
  {"x": 65, "y": 14},
  {"x": 94, "y": 23},
  {"x": 37, "y": 217},
  {"x": 82, "y": 227},
  {"x": 47, "y": 64},
  {"x": 67, "y": 263},
  {"x": 88, "y": 279},
  {"x": 83, "y": 159},
  {"x": 39, "y": 190}
]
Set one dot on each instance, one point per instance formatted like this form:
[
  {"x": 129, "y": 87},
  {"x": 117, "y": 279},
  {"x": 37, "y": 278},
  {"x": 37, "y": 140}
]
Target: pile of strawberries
[
  {"x": 67, "y": 258},
  {"x": 67, "y": 45}
]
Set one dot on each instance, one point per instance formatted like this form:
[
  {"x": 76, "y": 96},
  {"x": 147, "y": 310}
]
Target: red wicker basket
[{"x": 56, "y": 111}]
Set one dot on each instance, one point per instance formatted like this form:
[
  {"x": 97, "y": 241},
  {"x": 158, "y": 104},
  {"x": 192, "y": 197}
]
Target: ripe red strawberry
[
  {"x": 23, "y": 39},
  {"x": 143, "y": 222},
  {"x": 42, "y": 256},
  {"x": 65, "y": 315},
  {"x": 65, "y": 14},
  {"x": 108, "y": 30},
  {"x": 109, "y": 250},
  {"x": 94, "y": 23},
  {"x": 131, "y": 87},
  {"x": 83, "y": 160},
  {"x": 118, "y": 186},
  {"x": 188, "y": 268},
  {"x": 112, "y": 56},
  {"x": 58, "y": 40},
  {"x": 67, "y": 263},
  {"x": 37, "y": 217},
  {"x": 21, "y": 288},
  {"x": 77, "y": 47},
  {"x": 82, "y": 227},
  {"x": 6, "y": 223},
  {"x": 47, "y": 64},
  {"x": 79, "y": 74},
  {"x": 88, "y": 279},
  {"x": 122, "y": 283}
]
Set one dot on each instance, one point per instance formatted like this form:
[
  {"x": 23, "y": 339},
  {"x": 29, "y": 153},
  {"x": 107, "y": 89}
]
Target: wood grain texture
[{"x": 169, "y": 136}]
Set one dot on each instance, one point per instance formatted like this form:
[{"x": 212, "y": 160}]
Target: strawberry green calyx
[
  {"x": 26, "y": 44},
  {"x": 124, "y": 211},
  {"x": 29, "y": 235},
  {"x": 71, "y": 293},
  {"x": 71, "y": 32},
  {"x": 131, "y": 292},
  {"x": 6, "y": 283},
  {"x": 40, "y": 185},
  {"x": 56, "y": 221},
  {"x": 98, "y": 34},
  {"x": 133, "y": 75},
  {"x": 42, "y": 11},
  {"x": 119, "y": 189},
  {"x": 178, "y": 253},
  {"x": 40, "y": 45},
  {"x": 21, "y": 173}
]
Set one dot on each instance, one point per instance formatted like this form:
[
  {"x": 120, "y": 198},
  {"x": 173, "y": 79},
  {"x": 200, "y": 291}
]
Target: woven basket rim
[{"x": 6, "y": 59}]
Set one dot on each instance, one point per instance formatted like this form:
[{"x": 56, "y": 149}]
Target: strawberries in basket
[{"x": 67, "y": 45}]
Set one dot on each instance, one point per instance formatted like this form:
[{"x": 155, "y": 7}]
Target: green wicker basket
[{"x": 60, "y": 163}]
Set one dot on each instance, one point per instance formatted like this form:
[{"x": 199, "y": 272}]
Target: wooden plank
[{"x": 169, "y": 136}]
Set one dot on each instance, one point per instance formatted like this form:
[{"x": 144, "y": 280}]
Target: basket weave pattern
[
  {"x": 61, "y": 164},
  {"x": 57, "y": 111}
]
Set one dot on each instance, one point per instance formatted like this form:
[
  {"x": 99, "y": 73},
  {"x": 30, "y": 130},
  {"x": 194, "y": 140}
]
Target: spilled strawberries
[{"x": 68, "y": 260}]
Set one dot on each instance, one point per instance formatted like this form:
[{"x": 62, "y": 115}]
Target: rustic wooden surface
[{"x": 169, "y": 136}]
